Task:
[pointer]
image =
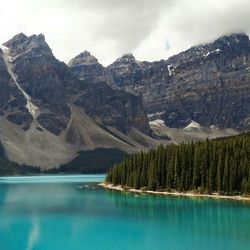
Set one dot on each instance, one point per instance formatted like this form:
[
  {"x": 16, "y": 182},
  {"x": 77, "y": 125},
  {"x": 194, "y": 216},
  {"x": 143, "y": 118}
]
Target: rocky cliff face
[
  {"x": 73, "y": 106},
  {"x": 50, "y": 110},
  {"x": 86, "y": 67},
  {"x": 209, "y": 84},
  {"x": 35, "y": 70},
  {"x": 51, "y": 87},
  {"x": 111, "y": 107},
  {"x": 12, "y": 102},
  {"x": 127, "y": 72}
]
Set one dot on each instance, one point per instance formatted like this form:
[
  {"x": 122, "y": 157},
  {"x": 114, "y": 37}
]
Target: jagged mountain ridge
[
  {"x": 50, "y": 110},
  {"x": 47, "y": 114},
  {"x": 209, "y": 84},
  {"x": 51, "y": 86},
  {"x": 86, "y": 67}
]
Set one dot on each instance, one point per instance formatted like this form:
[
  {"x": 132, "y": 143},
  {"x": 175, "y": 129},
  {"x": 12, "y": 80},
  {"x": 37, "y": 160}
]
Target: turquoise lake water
[{"x": 73, "y": 213}]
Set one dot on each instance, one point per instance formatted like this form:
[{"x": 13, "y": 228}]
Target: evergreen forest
[{"x": 211, "y": 166}]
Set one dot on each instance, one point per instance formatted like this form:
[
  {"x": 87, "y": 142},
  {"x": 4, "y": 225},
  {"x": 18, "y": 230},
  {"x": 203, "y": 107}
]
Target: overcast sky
[{"x": 150, "y": 29}]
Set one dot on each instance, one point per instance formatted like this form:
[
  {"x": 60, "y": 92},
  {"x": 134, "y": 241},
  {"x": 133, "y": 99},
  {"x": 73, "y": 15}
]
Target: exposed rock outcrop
[
  {"x": 52, "y": 87},
  {"x": 86, "y": 67},
  {"x": 208, "y": 83},
  {"x": 108, "y": 106},
  {"x": 44, "y": 102}
]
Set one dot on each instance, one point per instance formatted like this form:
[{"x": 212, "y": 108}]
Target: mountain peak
[
  {"x": 21, "y": 43},
  {"x": 234, "y": 38},
  {"x": 85, "y": 53},
  {"x": 20, "y": 36},
  {"x": 15, "y": 40},
  {"x": 239, "y": 35},
  {"x": 127, "y": 57},
  {"x": 229, "y": 43},
  {"x": 83, "y": 58}
]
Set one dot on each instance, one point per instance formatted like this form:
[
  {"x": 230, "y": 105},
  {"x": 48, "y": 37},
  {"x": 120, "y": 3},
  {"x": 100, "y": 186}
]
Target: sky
[{"x": 150, "y": 29}]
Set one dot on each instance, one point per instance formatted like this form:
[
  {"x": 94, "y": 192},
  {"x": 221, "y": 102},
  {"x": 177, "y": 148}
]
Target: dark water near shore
[{"x": 73, "y": 213}]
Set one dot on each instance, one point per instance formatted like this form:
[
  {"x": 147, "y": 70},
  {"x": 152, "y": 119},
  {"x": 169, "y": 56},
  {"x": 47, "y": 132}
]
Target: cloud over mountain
[{"x": 110, "y": 28}]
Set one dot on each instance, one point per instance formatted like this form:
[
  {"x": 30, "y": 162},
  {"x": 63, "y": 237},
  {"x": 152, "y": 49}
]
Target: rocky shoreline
[{"x": 184, "y": 194}]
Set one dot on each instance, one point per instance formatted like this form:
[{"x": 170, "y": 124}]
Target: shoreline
[{"x": 176, "y": 194}]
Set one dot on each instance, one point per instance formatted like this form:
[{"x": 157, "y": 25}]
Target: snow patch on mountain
[
  {"x": 157, "y": 122},
  {"x": 214, "y": 51},
  {"x": 169, "y": 69},
  {"x": 157, "y": 114},
  {"x": 193, "y": 126},
  {"x": 33, "y": 109}
]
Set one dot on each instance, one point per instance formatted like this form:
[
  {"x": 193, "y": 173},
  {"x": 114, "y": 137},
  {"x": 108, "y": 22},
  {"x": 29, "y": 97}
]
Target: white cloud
[{"x": 110, "y": 28}]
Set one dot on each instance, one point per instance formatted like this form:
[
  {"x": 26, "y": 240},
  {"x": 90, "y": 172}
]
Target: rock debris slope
[{"x": 50, "y": 114}]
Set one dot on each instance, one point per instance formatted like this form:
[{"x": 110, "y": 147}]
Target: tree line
[
  {"x": 219, "y": 165},
  {"x": 93, "y": 161},
  {"x": 98, "y": 160}
]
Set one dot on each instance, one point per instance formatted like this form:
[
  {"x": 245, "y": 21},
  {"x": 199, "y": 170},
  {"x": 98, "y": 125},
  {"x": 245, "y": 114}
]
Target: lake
[{"x": 74, "y": 213}]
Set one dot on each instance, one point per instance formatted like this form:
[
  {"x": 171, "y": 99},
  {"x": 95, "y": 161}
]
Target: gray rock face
[
  {"x": 50, "y": 87},
  {"x": 36, "y": 71},
  {"x": 108, "y": 106},
  {"x": 86, "y": 67},
  {"x": 126, "y": 71},
  {"x": 114, "y": 108},
  {"x": 12, "y": 102},
  {"x": 209, "y": 84}
]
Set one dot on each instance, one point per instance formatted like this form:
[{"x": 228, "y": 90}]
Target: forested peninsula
[{"x": 220, "y": 166}]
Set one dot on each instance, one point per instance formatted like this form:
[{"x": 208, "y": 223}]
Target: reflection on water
[
  {"x": 34, "y": 233},
  {"x": 197, "y": 215},
  {"x": 154, "y": 206},
  {"x": 74, "y": 213}
]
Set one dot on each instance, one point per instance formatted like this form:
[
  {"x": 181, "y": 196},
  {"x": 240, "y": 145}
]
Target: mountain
[
  {"x": 48, "y": 114},
  {"x": 86, "y": 67},
  {"x": 208, "y": 84},
  {"x": 114, "y": 107}
]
